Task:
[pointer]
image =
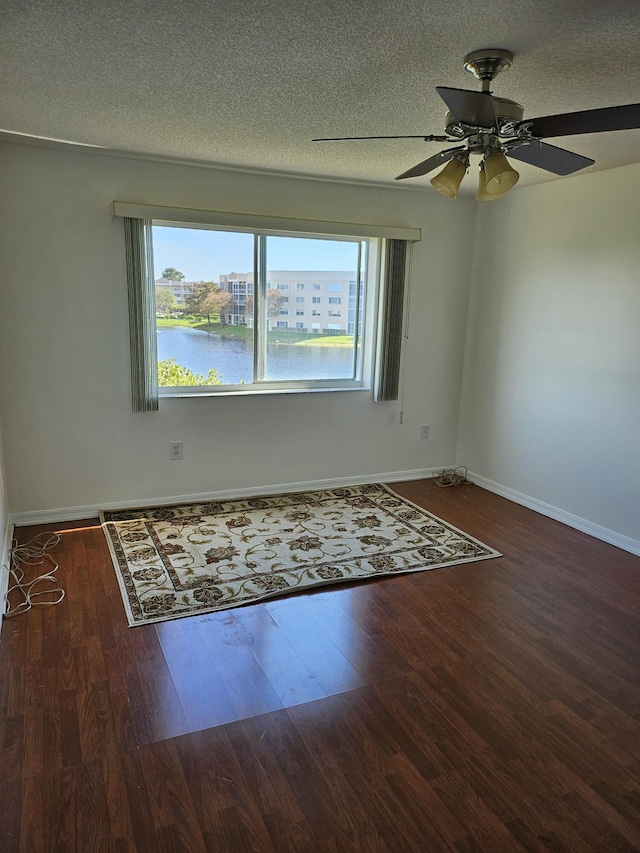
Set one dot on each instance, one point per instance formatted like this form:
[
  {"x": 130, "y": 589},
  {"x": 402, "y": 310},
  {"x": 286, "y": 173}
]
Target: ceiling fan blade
[
  {"x": 427, "y": 137},
  {"x": 549, "y": 157},
  {"x": 431, "y": 163},
  {"x": 588, "y": 121},
  {"x": 469, "y": 107}
]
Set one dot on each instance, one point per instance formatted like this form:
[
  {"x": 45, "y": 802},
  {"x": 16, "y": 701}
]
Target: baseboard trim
[
  {"x": 73, "y": 513},
  {"x": 575, "y": 521},
  {"x": 64, "y": 514},
  {"x": 5, "y": 556}
]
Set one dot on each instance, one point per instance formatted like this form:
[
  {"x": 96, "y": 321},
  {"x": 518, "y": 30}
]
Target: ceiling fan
[{"x": 492, "y": 127}]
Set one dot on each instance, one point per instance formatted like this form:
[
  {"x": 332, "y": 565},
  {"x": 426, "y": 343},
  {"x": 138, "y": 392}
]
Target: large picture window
[
  {"x": 208, "y": 295},
  {"x": 221, "y": 309}
]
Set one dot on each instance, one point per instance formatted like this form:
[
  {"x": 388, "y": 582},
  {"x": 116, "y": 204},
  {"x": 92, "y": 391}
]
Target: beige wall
[
  {"x": 551, "y": 392},
  {"x": 71, "y": 440},
  {"x": 5, "y": 529},
  {"x": 550, "y": 402}
]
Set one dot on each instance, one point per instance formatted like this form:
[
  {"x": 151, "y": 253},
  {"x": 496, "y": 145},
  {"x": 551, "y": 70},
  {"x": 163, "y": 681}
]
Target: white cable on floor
[{"x": 33, "y": 553}]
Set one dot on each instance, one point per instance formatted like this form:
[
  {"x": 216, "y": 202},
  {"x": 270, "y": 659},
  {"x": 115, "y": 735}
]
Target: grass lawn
[
  {"x": 236, "y": 332},
  {"x": 244, "y": 333},
  {"x": 165, "y": 322},
  {"x": 327, "y": 341}
]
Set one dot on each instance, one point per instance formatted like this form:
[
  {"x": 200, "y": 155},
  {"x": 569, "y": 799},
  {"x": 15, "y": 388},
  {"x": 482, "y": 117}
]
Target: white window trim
[
  {"x": 363, "y": 382},
  {"x": 369, "y": 345},
  {"x": 188, "y": 217},
  {"x": 291, "y": 387}
]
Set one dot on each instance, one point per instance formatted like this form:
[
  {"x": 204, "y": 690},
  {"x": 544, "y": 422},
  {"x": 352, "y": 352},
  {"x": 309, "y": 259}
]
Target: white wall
[
  {"x": 551, "y": 391},
  {"x": 70, "y": 437},
  {"x": 5, "y": 533}
]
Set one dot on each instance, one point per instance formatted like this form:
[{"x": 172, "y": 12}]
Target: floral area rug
[{"x": 195, "y": 558}]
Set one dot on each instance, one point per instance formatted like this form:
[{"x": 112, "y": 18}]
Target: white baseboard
[
  {"x": 62, "y": 514},
  {"x": 575, "y": 521},
  {"x": 72, "y": 513},
  {"x": 5, "y": 557}
]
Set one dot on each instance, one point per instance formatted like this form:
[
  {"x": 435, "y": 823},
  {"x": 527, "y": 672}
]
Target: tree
[
  {"x": 199, "y": 292},
  {"x": 216, "y": 302},
  {"x": 274, "y": 302},
  {"x": 173, "y": 274},
  {"x": 166, "y": 301},
  {"x": 171, "y": 373}
]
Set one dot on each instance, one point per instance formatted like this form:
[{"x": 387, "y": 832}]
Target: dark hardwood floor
[{"x": 486, "y": 707}]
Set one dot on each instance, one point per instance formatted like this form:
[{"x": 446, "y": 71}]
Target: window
[
  {"x": 315, "y": 300},
  {"x": 210, "y": 305},
  {"x": 335, "y": 287},
  {"x": 335, "y": 300},
  {"x": 315, "y": 313},
  {"x": 316, "y": 287},
  {"x": 232, "y": 333}
]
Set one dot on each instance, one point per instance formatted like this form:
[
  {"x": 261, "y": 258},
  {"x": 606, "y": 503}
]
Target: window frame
[
  {"x": 392, "y": 270},
  {"x": 369, "y": 256}
]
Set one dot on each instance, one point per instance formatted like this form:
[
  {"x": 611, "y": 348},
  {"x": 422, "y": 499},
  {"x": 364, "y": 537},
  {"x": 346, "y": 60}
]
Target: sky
[{"x": 203, "y": 255}]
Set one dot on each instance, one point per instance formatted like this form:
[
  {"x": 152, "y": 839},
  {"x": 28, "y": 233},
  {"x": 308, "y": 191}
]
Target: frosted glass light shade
[
  {"x": 449, "y": 179},
  {"x": 482, "y": 194},
  {"x": 499, "y": 174}
]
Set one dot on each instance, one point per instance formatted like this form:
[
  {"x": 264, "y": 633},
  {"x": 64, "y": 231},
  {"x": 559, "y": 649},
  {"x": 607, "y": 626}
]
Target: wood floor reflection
[{"x": 492, "y": 706}]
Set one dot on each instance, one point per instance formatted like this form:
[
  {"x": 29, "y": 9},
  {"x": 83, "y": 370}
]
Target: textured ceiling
[{"x": 248, "y": 84}]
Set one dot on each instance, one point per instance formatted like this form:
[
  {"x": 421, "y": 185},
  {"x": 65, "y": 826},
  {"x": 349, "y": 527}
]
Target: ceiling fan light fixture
[
  {"x": 448, "y": 181},
  {"x": 488, "y": 126},
  {"x": 500, "y": 175},
  {"x": 481, "y": 193}
]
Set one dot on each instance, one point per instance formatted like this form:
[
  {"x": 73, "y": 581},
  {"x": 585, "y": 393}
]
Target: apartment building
[
  {"x": 180, "y": 289},
  {"x": 318, "y": 301},
  {"x": 240, "y": 286}
]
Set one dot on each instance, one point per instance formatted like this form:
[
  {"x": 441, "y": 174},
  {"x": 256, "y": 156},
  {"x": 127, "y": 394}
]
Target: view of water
[{"x": 233, "y": 359}]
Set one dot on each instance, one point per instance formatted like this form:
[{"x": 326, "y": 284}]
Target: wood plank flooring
[{"x": 487, "y": 707}]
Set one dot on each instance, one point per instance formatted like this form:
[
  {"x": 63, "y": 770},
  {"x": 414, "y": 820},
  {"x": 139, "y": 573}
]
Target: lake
[{"x": 233, "y": 359}]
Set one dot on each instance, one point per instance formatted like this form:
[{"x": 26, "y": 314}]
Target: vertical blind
[
  {"x": 395, "y": 265},
  {"x": 142, "y": 314}
]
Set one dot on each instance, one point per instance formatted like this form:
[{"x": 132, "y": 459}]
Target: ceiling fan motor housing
[{"x": 508, "y": 113}]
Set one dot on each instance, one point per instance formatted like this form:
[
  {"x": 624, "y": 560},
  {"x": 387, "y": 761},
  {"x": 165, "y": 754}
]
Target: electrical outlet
[
  {"x": 424, "y": 431},
  {"x": 175, "y": 450}
]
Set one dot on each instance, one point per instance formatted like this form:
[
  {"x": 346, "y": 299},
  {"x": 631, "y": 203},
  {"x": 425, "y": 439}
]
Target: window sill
[{"x": 252, "y": 391}]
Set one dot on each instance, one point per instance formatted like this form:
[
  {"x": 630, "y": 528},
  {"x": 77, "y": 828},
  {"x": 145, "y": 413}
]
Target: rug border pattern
[{"x": 135, "y": 615}]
